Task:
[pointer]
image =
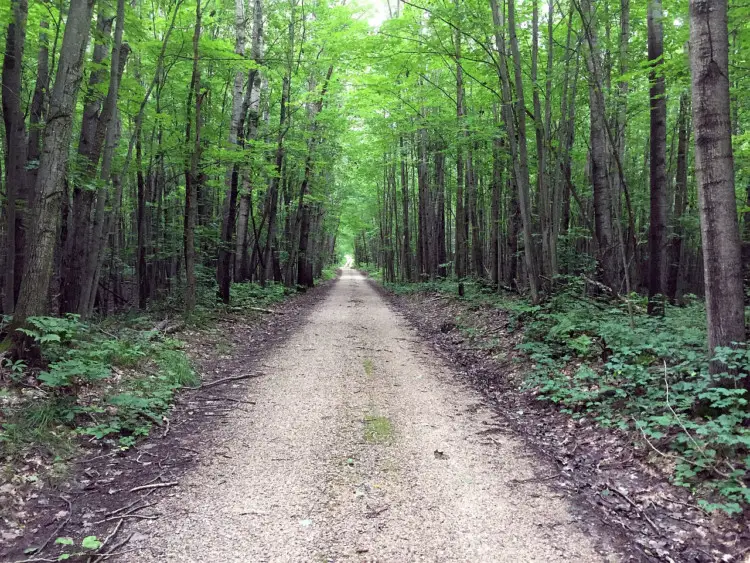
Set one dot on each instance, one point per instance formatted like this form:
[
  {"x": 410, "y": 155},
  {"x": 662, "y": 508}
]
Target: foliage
[
  {"x": 645, "y": 375},
  {"x": 96, "y": 383}
]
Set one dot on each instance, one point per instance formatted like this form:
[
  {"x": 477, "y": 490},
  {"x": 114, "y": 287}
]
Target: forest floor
[{"x": 352, "y": 439}]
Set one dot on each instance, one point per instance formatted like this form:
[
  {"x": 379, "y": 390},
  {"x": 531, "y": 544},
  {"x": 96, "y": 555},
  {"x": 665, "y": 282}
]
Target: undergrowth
[
  {"x": 649, "y": 376},
  {"x": 109, "y": 381}
]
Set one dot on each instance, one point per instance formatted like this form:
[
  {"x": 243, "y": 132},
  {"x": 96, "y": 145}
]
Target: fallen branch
[
  {"x": 154, "y": 486},
  {"x": 223, "y": 380},
  {"x": 535, "y": 479},
  {"x": 111, "y": 535},
  {"x": 638, "y": 509},
  {"x": 131, "y": 514},
  {"x": 267, "y": 311},
  {"x": 131, "y": 505}
]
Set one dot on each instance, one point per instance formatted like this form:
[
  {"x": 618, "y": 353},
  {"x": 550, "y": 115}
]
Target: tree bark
[
  {"x": 17, "y": 196},
  {"x": 224, "y": 264},
  {"x": 714, "y": 168},
  {"x": 52, "y": 168},
  {"x": 607, "y": 248},
  {"x": 76, "y": 245},
  {"x": 680, "y": 200},
  {"x": 406, "y": 270},
  {"x": 522, "y": 177},
  {"x": 461, "y": 254},
  {"x": 657, "y": 235},
  {"x": 191, "y": 174}
]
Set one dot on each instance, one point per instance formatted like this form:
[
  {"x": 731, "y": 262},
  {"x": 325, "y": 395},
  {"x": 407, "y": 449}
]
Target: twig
[
  {"x": 638, "y": 509},
  {"x": 154, "y": 486},
  {"x": 535, "y": 479},
  {"x": 267, "y": 311},
  {"x": 223, "y": 380},
  {"x": 57, "y": 530},
  {"x": 130, "y": 514},
  {"x": 166, "y": 431},
  {"x": 111, "y": 535},
  {"x": 122, "y": 508},
  {"x": 110, "y": 553}
]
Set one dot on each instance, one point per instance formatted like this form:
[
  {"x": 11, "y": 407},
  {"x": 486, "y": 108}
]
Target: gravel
[{"x": 363, "y": 446}]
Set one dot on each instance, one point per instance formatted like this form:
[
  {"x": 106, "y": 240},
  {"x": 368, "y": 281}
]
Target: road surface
[{"x": 362, "y": 446}]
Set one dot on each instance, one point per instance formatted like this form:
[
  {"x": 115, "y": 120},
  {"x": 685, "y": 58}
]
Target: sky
[{"x": 378, "y": 11}]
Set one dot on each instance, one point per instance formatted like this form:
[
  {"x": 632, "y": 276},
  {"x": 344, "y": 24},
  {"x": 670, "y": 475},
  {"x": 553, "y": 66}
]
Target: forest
[{"x": 583, "y": 164}]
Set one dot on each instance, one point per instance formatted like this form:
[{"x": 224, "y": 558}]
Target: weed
[
  {"x": 368, "y": 365},
  {"x": 378, "y": 429}
]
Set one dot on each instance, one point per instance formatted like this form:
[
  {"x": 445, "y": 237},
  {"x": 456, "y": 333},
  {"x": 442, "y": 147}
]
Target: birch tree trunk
[{"x": 224, "y": 265}]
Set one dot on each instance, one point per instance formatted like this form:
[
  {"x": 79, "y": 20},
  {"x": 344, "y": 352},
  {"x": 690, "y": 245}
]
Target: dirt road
[{"x": 362, "y": 446}]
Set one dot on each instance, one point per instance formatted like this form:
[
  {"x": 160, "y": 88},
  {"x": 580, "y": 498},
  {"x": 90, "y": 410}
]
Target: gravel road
[{"x": 362, "y": 446}]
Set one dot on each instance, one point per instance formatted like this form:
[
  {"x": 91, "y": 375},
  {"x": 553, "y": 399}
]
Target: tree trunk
[
  {"x": 522, "y": 177},
  {"x": 224, "y": 265},
  {"x": 607, "y": 248},
  {"x": 52, "y": 168},
  {"x": 76, "y": 244},
  {"x": 191, "y": 175},
  {"x": 17, "y": 196},
  {"x": 680, "y": 200},
  {"x": 714, "y": 168},
  {"x": 38, "y": 106},
  {"x": 105, "y": 139},
  {"x": 406, "y": 271},
  {"x": 461, "y": 254},
  {"x": 657, "y": 235}
]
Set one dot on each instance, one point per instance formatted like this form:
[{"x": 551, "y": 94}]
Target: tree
[
  {"x": 714, "y": 168},
  {"x": 52, "y": 169},
  {"x": 657, "y": 235},
  {"x": 17, "y": 196}
]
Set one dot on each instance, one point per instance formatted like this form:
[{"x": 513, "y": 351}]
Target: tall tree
[
  {"x": 657, "y": 234},
  {"x": 17, "y": 197},
  {"x": 191, "y": 173},
  {"x": 53, "y": 162},
  {"x": 607, "y": 248},
  {"x": 714, "y": 169},
  {"x": 224, "y": 264}
]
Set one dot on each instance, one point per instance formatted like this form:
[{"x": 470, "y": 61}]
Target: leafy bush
[
  {"x": 256, "y": 295},
  {"x": 85, "y": 390},
  {"x": 651, "y": 375}
]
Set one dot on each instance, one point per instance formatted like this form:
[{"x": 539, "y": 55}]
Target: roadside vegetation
[
  {"x": 105, "y": 383},
  {"x": 648, "y": 376}
]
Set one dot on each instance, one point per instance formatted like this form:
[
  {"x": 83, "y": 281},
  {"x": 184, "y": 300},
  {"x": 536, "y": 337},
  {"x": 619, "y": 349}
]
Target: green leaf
[
  {"x": 64, "y": 541},
  {"x": 91, "y": 542}
]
